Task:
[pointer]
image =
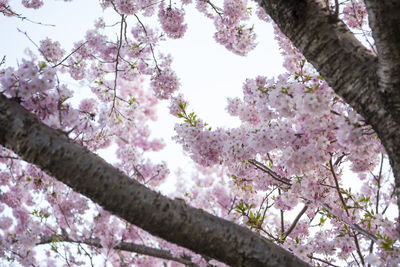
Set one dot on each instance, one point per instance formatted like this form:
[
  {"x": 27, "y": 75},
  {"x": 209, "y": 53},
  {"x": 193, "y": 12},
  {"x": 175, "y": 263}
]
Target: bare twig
[
  {"x": 117, "y": 61},
  {"x": 273, "y": 174},
  {"x": 151, "y": 45},
  {"x": 125, "y": 246},
  {"x": 21, "y": 17},
  {"x": 3, "y": 60},
  {"x": 79, "y": 47},
  {"x": 353, "y": 226},
  {"x": 345, "y": 208},
  {"x": 282, "y": 217},
  {"x": 296, "y": 220},
  {"x": 324, "y": 261}
]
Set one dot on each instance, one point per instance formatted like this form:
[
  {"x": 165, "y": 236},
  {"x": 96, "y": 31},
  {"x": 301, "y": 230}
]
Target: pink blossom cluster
[
  {"x": 235, "y": 11},
  {"x": 130, "y": 7},
  {"x": 127, "y": 7},
  {"x": 28, "y": 81},
  {"x": 5, "y": 8},
  {"x": 171, "y": 20},
  {"x": 355, "y": 14},
  {"x": 231, "y": 31},
  {"x": 51, "y": 51},
  {"x": 238, "y": 39},
  {"x": 164, "y": 81},
  {"x": 32, "y": 3},
  {"x": 177, "y": 104}
]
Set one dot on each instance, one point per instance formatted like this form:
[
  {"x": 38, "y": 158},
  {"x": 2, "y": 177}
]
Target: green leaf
[
  {"x": 309, "y": 90},
  {"x": 42, "y": 65}
]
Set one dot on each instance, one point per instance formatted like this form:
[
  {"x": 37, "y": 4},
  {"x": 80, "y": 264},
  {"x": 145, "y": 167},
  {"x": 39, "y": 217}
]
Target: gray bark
[
  {"x": 384, "y": 20},
  {"x": 88, "y": 174},
  {"x": 367, "y": 83}
]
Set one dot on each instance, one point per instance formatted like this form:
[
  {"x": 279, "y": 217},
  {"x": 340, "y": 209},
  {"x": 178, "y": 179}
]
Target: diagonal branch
[
  {"x": 171, "y": 220},
  {"x": 352, "y": 226},
  {"x": 271, "y": 173},
  {"x": 125, "y": 246},
  {"x": 294, "y": 223}
]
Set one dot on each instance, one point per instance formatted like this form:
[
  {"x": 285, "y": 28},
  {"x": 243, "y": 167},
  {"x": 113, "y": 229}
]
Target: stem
[
  {"x": 70, "y": 54},
  {"x": 345, "y": 208},
  {"x": 273, "y": 174},
  {"x": 324, "y": 261},
  {"x": 125, "y": 246},
  {"x": 296, "y": 220},
  {"x": 151, "y": 46},
  {"x": 282, "y": 219},
  {"x": 117, "y": 62},
  {"x": 337, "y": 186}
]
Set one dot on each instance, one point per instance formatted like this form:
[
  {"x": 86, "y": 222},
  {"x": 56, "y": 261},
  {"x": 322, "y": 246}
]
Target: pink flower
[
  {"x": 164, "y": 83},
  {"x": 51, "y": 50},
  {"x": 171, "y": 20},
  {"x": 176, "y": 104},
  {"x": 35, "y": 4},
  {"x": 127, "y": 7}
]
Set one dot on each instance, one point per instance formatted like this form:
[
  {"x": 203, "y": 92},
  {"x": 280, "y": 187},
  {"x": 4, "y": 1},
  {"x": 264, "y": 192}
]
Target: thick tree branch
[
  {"x": 348, "y": 67},
  {"x": 88, "y": 174},
  {"x": 384, "y": 20},
  {"x": 125, "y": 246}
]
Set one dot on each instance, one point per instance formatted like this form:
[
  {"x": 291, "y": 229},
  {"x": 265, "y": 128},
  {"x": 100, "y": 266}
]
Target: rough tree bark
[
  {"x": 384, "y": 20},
  {"x": 370, "y": 84},
  {"x": 86, "y": 173}
]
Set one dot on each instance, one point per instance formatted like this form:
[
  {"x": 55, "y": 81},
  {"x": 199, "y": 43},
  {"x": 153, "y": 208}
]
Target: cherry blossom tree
[{"x": 271, "y": 192}]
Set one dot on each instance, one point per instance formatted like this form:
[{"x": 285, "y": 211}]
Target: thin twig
[
  {"x": 345, "y": 208},
  {"x": 296, "y": 220},
  {"x": 273, "y": 174},
  {"x": 125, "y": 246},
  {"x": 3, "y": 60},
  {"x": 282, "y": 218},
  {"x": 151, "y": 45},
  {"x": 353, "y": 226},
  {"x": 79, "y": 47},
  {"x": 324, "y": 261},
  {"x": 22, "y": 18},
  {"x": 117, "y": 62}
]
